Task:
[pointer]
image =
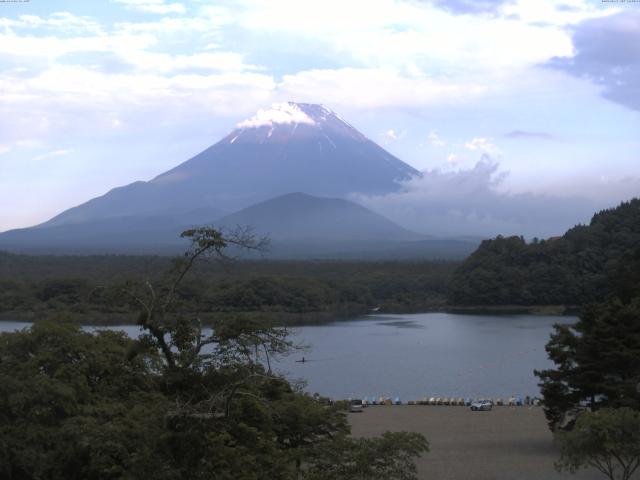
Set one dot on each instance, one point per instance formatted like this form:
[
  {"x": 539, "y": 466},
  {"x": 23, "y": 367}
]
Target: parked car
[
  {"x": 482, "y": 405},
  {"x": 356, "y": 406}
]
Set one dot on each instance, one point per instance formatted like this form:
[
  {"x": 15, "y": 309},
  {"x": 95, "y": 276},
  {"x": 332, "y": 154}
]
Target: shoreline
[{"x": 311, "y": 318}]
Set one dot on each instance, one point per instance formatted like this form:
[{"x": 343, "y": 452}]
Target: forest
[
  {"x": 32, "y": 287},
  {"x": 584, "y": 265}
]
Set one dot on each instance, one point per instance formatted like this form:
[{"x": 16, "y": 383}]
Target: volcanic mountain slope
[
  {"x": 290, "y": 147},
  {"x": 138, "y": 234}
]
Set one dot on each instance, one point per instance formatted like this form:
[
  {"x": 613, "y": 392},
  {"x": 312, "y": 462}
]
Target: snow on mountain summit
[
  {"x": 284, "y": 113},
  {"x": 285, "y": 121}
]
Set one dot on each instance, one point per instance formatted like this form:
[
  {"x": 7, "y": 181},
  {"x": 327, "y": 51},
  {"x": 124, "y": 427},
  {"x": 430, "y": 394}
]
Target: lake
[{"x": 417, "y": 355}]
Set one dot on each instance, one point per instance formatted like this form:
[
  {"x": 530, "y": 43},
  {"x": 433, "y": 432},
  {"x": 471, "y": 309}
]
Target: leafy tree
[
  {"x": 391, "y": 456},
  {"x": 608, "y": 440},
  {"x": 70, "y": 407},
  {"x": 597, "y": 362}
]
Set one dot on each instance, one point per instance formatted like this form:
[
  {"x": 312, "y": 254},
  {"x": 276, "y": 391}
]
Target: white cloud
[
  {"x": 374, "y": 87},
  {"x": 469, "y": 202},
  {"x": 435, "y": 140},
  {"x": 280, "y": 113},
  {"x": 606, "y": 190},
  {"x": 407, "y": 33},
  {"x": 553, "y": 12},
  {"x": 51, "y": 48},
  {"x": 50, "y": 95},
  {"x": 54, "y": 153},
  {"x": 206, "y": 23},
  {"x": 60, "y": 21},
  {"x": 130, "y": 48},
  {"x": 153, "y": 6},
  {"x": 391, "y": 135},
  {"x": 73, "y": 102},
  {"x": 481, "y": 144}
]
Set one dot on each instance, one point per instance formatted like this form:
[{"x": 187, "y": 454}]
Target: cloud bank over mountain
[{"x": 473, "y": 202}]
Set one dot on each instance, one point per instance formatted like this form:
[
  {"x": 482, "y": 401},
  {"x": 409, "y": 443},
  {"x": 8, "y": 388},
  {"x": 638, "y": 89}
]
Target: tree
[
  {"x": 608, "y": 440},
  {"x": 391, "y": 456},
  {"x": 71, "y": 407},
  {"x": 597, "y": 362},
  {"x": 304, "y": 421}
]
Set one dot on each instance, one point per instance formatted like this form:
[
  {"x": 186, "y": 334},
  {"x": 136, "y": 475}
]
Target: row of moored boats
[{"x": 454, "y": 401}]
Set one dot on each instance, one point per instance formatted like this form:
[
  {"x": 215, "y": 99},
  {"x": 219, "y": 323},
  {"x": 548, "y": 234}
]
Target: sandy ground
[{"x": 505, "y": 443}]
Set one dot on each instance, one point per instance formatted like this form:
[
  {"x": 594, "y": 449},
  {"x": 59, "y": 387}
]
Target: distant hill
[
  {"x": 303, "y": 226},
  {"x": 582, "y": 266},
  {"x": 298, "y": 216}
]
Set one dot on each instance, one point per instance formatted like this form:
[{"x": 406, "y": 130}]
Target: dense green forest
[
  {"x": 575, "y": 269},
  {"x": 33, "y": 287}
]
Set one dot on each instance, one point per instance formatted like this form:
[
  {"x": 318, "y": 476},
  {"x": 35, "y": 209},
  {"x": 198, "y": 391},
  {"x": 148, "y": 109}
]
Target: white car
[
  {"x": 482, "y": 405},
  {"x": 356, "y": 406}
]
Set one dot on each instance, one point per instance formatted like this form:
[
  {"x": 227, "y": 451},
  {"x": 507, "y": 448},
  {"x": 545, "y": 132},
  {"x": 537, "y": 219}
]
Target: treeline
[
  {"x": 32, "y": 287},
  {"x": 578, "y": 268}
]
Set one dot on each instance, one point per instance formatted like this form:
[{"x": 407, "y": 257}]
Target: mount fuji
[{"x": 290, "y": 147}]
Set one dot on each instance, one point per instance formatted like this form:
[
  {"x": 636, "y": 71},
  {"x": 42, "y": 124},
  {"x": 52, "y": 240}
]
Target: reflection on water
[
  {"x": 416, "y": 355},
  {"x": 431, "y": 354},
  {"x": 402, "y": 324}
]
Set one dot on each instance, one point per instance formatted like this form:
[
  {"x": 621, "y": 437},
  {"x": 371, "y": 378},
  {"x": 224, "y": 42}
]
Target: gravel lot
[{"x": 505, "y": 443}]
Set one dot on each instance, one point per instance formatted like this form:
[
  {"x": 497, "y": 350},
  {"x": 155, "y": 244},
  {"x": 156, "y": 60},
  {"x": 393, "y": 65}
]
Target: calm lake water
[{"x": 417, "y": 355}]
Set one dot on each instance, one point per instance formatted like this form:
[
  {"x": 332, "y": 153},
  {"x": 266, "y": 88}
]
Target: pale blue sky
[{"x": 98, "y": 94}]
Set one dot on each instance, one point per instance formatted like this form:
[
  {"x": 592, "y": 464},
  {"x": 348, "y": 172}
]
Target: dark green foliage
[
  {"x": 75, "y": 405},
  {"x": 391, "y": 456},
  {"x": 574, "y": 269},
  {"x": 597, "y": 359},
  {"x": 180, "y": 402},
  {"x": 285, "y": 292},
  {"x": 597, "y": 362},
  {"x": 71, "y": 407},
  {"x": 607, "y": 440}
]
